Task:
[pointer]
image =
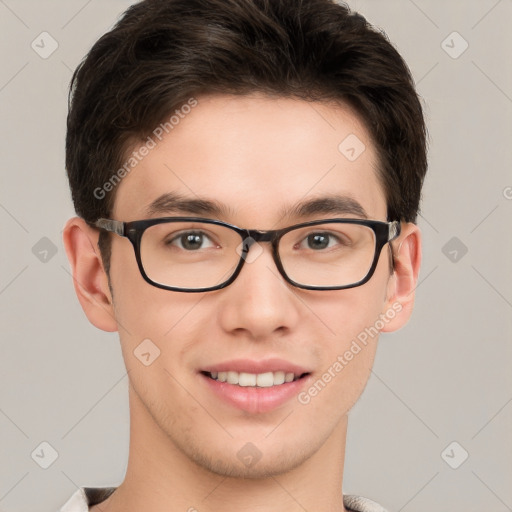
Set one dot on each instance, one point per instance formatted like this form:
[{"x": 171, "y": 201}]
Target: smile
[{"x": 260, "y": 380}]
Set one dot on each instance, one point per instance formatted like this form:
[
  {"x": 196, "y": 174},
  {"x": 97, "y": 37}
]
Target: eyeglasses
[{"x": 191, "y": 254}]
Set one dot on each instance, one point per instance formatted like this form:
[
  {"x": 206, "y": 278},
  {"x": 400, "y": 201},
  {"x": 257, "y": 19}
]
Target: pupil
[{"x": 318, "y": 241}]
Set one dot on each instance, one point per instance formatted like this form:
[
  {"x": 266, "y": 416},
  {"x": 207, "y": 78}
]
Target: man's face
[{"x": 256, "y": 156}]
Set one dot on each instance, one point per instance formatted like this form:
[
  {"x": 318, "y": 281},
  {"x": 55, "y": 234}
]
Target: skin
[{"x": 255, "y": 154}]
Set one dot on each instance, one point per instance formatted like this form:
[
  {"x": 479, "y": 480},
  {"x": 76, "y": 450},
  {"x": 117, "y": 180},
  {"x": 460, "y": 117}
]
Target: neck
[{"x": 158, "y": 474}]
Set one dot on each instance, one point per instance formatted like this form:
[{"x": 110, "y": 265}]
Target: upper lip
[{"x": 253, "y": 366}]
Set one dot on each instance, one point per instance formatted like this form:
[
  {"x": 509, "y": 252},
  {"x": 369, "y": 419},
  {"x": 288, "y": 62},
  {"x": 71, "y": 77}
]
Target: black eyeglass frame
[{"x": 384, "y": 232}]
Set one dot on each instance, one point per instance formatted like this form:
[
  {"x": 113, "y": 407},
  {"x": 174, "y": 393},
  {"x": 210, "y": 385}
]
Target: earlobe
[
  {"x": 89, "y": 278},
  {"x": 403, "y": 282}
]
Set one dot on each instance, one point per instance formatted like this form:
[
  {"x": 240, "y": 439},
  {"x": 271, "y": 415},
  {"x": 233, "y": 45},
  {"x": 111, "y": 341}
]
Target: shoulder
[
  {"x": 360, "y": 504},
  {"x": 84, "y": 497}
]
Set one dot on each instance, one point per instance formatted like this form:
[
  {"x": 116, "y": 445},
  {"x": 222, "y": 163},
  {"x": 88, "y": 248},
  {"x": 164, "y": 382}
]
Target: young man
[{"x": 200, "y": 133}]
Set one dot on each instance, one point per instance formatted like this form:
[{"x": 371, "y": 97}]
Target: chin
[
  {"x": 259, "y": 470},
  {"x": 249, "y": 462}
]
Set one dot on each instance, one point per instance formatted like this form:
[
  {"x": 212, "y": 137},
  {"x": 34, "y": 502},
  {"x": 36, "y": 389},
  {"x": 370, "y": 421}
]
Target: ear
[
  {"x": 402, "y": 284},
  {"x": 89, "y": 277}
]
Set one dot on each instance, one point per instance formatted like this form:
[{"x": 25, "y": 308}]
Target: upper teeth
[{"x": 261, "y": 380}]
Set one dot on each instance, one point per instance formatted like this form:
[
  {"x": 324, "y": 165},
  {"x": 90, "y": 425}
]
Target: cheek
[
  {"x": 139, "y": 316},
  {"x": 154, "y": 324},
  {"x": 347, "y": 313},
  {"x": 141, "y": 309},
  {"x": 353, "y": 320}
]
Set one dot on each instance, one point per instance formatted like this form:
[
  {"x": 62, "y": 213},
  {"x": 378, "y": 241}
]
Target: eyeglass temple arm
[
  {"x": 114, "y": 226},
  {"x": 394, "y": 230}
]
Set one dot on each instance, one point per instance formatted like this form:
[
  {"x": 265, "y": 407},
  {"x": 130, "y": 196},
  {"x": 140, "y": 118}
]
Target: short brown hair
[{"x": 163, "y": 52}]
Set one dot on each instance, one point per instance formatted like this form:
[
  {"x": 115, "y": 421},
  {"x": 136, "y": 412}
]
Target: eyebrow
[{"x": 172, "y": 202}]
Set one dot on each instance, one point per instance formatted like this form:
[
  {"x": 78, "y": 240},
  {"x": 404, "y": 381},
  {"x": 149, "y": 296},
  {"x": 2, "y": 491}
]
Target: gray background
[{"x": 446, "y": 377}]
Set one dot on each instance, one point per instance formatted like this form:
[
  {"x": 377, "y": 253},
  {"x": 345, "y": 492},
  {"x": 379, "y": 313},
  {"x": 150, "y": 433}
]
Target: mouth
[
  {"x": 258, "y": 380},
  {"x": 255, "y": 386}
]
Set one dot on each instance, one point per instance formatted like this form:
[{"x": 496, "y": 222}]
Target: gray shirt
[{"x": 88, "y": 496}]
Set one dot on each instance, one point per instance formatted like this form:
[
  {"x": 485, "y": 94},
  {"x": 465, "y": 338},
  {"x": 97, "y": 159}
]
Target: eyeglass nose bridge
[
  {"x": 263, "y": 236},
  {"x": 252, "y": 236}
]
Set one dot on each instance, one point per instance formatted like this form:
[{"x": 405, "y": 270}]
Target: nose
[{"x": 259, "y": 301}]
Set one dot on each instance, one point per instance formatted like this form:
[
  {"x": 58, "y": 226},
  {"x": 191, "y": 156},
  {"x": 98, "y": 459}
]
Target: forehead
[{"x": 253, "y": 158}]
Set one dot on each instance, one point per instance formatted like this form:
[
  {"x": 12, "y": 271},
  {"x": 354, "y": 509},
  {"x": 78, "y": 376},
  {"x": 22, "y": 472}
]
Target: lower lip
[{"x": 255, "y": 399}]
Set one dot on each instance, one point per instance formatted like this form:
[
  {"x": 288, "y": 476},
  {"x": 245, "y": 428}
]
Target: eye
[
  {"x": 189, "y": 240},
  {"x": 325, "y": 240}
]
